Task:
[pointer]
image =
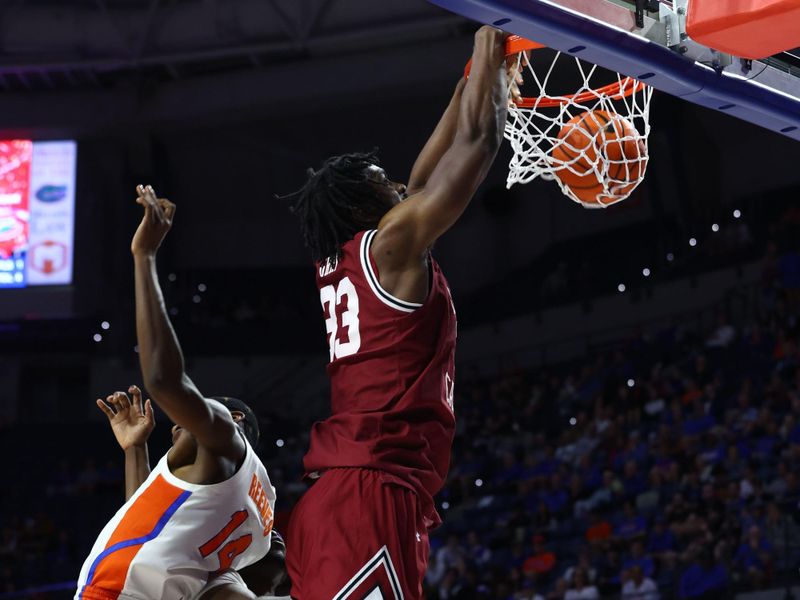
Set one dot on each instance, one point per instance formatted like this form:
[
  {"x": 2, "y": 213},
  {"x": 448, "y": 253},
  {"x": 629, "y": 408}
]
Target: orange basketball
[{"x": 587, "y": 141}]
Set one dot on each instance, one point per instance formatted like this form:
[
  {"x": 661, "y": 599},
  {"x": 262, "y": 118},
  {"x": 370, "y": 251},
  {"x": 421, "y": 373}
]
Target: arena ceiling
[
  {"x": 97, "y": 44},
  {"x": 78, "y": 67}
]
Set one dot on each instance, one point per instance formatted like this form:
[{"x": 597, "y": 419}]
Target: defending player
[
  {"x": 132, "y": 422},
  {"x": 208, "y": 504},
  {"x": 361, "y": 530}
]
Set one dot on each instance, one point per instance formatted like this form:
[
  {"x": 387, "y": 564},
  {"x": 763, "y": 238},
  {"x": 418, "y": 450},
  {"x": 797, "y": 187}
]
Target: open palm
[{"x": 132, "y": 421}]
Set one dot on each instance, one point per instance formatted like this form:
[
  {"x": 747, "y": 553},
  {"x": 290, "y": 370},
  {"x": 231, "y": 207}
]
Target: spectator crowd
[{"x": 664, "y": 467}]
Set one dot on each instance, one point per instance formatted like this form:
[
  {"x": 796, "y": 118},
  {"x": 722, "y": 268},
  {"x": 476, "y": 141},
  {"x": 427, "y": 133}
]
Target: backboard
[{"x": 647, "y": 40}]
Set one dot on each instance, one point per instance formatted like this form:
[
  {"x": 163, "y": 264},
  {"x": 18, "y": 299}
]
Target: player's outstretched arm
[
  {"x": 440, "y": 141},
  {"x": 160, "y": 355},
  {"x": 416, "y": 223},
  {"x": 132, "y": 422}
]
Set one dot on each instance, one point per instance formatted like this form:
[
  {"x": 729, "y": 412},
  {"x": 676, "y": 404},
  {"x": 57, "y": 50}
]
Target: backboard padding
[{"x": 608, "y": 36}]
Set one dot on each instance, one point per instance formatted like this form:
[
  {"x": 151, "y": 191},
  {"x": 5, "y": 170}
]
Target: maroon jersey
[{"x": 392, "y": 373}]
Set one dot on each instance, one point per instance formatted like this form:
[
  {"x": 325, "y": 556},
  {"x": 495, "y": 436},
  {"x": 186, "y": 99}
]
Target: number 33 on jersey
[{"x": 342, "y": 327}]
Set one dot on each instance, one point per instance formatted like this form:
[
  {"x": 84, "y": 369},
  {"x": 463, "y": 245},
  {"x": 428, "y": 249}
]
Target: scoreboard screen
[{"x": 37, "y": 212}]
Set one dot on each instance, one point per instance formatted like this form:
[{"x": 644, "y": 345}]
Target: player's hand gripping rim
[{"x": 515, "y": 67}]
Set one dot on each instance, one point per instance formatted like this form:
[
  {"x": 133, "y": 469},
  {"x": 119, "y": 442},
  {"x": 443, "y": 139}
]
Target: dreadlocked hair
[{"x": 334, "y": 204}]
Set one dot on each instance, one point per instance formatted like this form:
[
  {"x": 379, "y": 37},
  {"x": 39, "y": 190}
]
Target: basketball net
[{"x": 534, "y": 125}]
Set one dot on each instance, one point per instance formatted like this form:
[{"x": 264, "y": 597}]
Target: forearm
[
  {"x": 416, "y": 224},
  {"x": 137, "y": 468},
  {"x": 160, "y": 354},
  {"x": 161, "y": 359},
  {"x": 485, "y": 101},
  {"x": 439, "y": 142}
]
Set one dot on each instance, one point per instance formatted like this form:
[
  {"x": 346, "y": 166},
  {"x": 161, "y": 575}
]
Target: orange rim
[{"x": 615, "y": 91}]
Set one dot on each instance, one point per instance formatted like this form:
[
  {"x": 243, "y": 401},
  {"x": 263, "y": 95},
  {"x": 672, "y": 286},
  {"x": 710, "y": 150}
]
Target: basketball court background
[{"x": 223, "y": 105}]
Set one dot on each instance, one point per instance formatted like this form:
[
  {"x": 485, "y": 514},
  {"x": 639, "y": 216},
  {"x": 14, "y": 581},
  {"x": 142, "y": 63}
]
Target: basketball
[{"x": 585, "y": 143}]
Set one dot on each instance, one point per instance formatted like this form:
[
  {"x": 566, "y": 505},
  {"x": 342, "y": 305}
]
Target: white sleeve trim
[{"x": 374, "y": 283}]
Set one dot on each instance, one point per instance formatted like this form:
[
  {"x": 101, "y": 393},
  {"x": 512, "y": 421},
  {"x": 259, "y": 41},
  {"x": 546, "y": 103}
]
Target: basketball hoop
[{"x": 592, "y": 142}]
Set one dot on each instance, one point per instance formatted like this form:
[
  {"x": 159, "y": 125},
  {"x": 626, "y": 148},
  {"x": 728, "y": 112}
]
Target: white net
[{"x": 592, "y": 142}]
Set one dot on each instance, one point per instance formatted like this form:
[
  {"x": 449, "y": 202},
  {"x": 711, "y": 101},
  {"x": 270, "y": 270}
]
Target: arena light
[
  {"x": 196, "y": 299},
  {"x": 646, "y": 272},
  {"x": 279, "y": 443},
  {"x": 670, "y": 257},
  {"x": 445, "y": 505},
  {"x": 692, "y": 242},
  {"x": 715, "y": 228},
  {"x": 737, "y": 213},
  {"x": 172, "y": 277},
  {"x": 621, "y": 288},
  {"x": 631, "y": 383},
  {"x": 479, "y": 483},
  {"x": 97, "y": 337},
  {"x": 173, "y": 311},
  {"x": 105, "y": 325},
  {"x": 573, "y": 421},
  {"x": 202, "y": 287}
]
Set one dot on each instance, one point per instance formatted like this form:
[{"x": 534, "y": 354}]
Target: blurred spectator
[
  {"x": 753, "y": 557},
  {"x": 638, "y": 587},
  {"x": 541, "y": 562},
  {"x": 451, "y": 555},
  {"x": 477, "y": 553},
  {"x": 599, "y": 530},
  {"x": 580, "y": 588},
  {"x": 723, "y": 335},
  {"x": 781, "y": 534},
  {"x": 584, "y": 563},
  {"x": 640, "y": 560},
  {"x": 451, "y": 585},
  {"x": 661, "y": 543},
  {"x": 705, "y": 579},
  {"x": 630, "y": 525},
  {"x": 436, "y": 571}
]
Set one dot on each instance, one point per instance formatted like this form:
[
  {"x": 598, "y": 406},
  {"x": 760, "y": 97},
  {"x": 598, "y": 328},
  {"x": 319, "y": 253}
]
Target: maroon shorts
[{"x": 357, "y": 535}]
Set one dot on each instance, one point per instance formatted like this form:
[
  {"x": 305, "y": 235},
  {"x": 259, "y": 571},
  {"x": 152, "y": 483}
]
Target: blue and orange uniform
[{"x": 171, "y": 536}]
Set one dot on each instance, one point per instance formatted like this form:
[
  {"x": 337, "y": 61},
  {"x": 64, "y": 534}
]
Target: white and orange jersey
[{"x": 171, "y": 535}]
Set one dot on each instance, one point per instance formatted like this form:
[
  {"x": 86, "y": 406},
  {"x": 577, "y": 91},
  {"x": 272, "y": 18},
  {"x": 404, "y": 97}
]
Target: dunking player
[
  {"x": 132, "y": 422},
  {"x": 208, "y": 504},
  {"x": 361, "y": 530}
]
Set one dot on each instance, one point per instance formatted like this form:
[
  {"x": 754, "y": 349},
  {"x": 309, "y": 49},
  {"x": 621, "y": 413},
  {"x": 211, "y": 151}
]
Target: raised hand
[
  {"x": 131, "y": 420},
  {"x": 156, "y": 222}
]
